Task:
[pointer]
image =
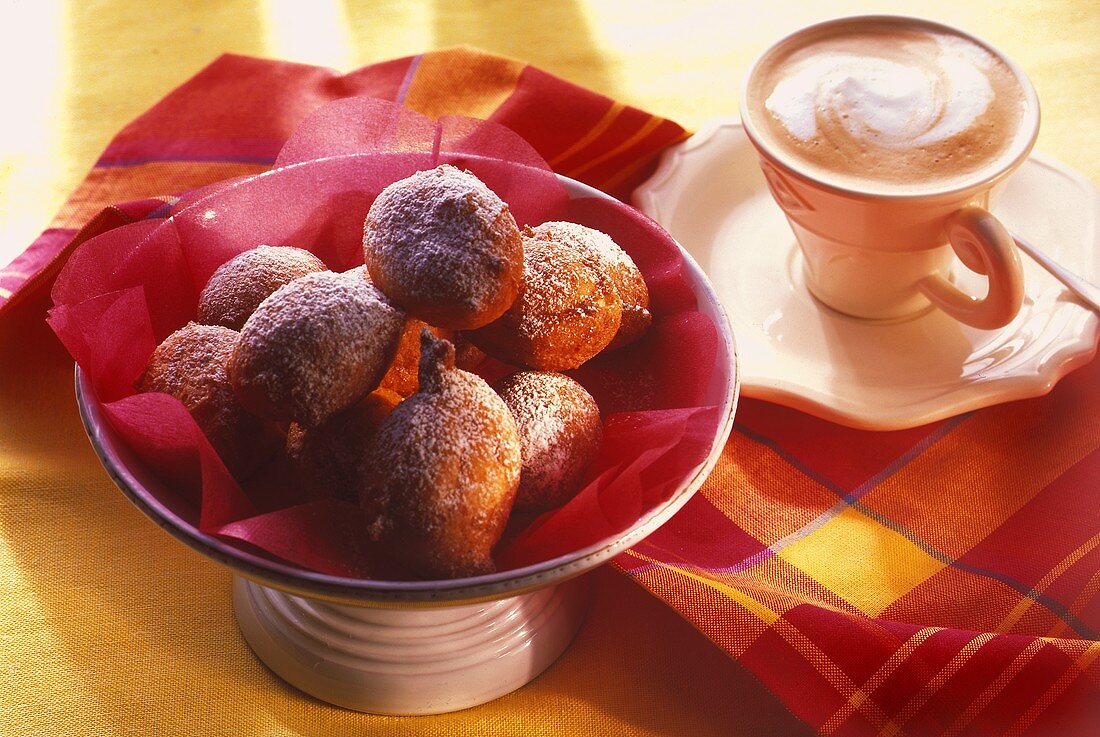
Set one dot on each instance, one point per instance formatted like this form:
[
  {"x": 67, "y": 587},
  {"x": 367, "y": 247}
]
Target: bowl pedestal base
[{"x": 427, "y": 660}]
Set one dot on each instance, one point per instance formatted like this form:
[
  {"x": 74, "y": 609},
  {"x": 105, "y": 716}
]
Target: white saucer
[{"x": 710, "y": 195}]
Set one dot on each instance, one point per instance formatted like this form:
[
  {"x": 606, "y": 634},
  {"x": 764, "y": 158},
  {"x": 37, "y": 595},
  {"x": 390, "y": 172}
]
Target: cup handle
[{"x": 984, "y": 246}]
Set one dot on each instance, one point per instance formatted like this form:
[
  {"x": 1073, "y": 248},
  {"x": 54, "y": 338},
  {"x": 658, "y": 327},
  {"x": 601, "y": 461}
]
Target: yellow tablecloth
[{"x": 107, "y": 625}]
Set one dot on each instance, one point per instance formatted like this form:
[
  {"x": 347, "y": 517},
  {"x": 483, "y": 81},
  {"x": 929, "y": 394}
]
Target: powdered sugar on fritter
[
  {"x": 315, "y": 346},
  {"x": 443, "y": 236},
  {"x": 442, "y": 471},
  {"x": 239, "y": 285},
  {"x": 560, "y": 432}
]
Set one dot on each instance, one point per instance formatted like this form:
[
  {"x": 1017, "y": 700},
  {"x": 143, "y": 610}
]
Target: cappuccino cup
[{"x": 884, "y": 140}]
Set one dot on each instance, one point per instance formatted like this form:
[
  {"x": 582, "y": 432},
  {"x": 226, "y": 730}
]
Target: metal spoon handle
[{"x": 1088, "y": 292}]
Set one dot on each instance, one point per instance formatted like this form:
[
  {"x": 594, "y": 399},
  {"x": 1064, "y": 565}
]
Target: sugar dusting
[
  {"x": 588, "y": 241},
  {"x": 191, "y": 366},
  {"x": 607, "y": 257},
  {"x": 560, "y": 430},
  {"x": 558, "y": 287},
  {"x": 315, "y": 346},
  {"x": 443, "y": 236},
  {"x": 239, "y": 285},
  {"x": 443, "y": 468},
  {"x": 190, "y": 363}
]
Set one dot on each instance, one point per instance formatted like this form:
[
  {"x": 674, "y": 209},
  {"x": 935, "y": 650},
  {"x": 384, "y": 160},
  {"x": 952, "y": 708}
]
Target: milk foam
[
  {"x": 885, "y": 104},
  {"x": 897, "y": 104}
]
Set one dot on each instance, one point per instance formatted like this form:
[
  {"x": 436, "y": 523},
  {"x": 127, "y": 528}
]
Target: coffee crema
[{"x": 885, "y": 105}]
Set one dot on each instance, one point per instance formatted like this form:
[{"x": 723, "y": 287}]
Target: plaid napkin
[{"x": 941, "y": 580}]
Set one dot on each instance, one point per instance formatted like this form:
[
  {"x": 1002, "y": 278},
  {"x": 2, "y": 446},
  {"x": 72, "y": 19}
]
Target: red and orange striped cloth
[{"x": 941, "y": 580}]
